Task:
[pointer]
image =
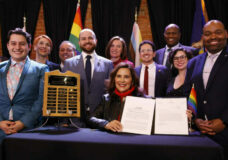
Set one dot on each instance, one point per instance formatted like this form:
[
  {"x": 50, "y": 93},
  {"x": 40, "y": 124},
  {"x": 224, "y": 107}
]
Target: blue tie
[{"x": 88, "y": 70}]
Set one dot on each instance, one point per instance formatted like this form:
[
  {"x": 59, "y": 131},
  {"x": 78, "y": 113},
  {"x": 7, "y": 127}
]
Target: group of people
[{"x": 170, "y": 71}]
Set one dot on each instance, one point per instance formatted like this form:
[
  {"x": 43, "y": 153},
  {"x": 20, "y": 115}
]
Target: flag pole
[
  {"x": 136, "y": 16},
  {"x": 24, "y": 23}
]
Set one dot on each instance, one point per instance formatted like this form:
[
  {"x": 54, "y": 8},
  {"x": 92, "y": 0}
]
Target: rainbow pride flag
[
  {"x": 76, "y": 28},
  {"x": 136, "y": 39},
  {"x": 192, "y": 101}
]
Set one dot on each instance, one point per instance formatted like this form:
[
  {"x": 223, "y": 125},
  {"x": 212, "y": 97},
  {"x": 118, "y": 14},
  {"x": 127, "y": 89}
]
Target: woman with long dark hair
[{"x": 123, "y": 82}]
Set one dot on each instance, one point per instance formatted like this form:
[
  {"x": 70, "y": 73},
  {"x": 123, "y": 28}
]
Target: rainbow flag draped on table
[
  {"x": 76, "y": 28},
  {"x": 192, "y": 101}
]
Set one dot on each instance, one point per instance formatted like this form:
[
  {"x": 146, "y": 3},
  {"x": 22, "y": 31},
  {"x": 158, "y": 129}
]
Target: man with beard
[
  {"x": 209, "y": 74},
  {"x": 172, "y": 35},
  {"x": 93, "y": 69}
]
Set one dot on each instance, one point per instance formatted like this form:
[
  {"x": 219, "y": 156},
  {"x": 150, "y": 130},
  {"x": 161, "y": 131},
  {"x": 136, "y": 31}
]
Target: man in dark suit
[
  {"x": 21, "y": 86},
  {"x": 153, "y": 77},
  {"x": 93, "y": 69},
  {"x": 209, "y": 74},
  {"x": 172, "y": 36}
]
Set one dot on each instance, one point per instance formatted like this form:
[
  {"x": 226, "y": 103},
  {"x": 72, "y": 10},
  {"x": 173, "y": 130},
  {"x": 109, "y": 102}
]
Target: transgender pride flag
[
  {"x": 192, "y": 101},
  {"x": 136, "y": 39},
  {"x": 76, "y": 28}
]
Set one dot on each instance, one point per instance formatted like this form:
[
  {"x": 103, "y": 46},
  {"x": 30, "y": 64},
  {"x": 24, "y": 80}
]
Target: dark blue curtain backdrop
[
  {"x": 112, "y": 18},
  {"x": 59, "y": 16},
  {"x": 217, "y": 9},
  {"x": 12, "y": 15},
  {"x": 109, "y": 18},
  {"x": 164, "y": 12},
  {"x": 181, "y": 12}
]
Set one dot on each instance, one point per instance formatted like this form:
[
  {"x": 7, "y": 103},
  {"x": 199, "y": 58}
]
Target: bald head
[
  {"x": 172, "y": 35},
  {"x": 172, "y": 25},
  {"x": 87, "y": 30},
  {"x": 214, "y": 36}
]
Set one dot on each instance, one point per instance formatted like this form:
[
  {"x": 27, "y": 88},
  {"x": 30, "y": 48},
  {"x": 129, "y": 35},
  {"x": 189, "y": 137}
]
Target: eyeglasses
[
  {"x": 146, "y": 50},
  {"x": 179, "y": 58}
]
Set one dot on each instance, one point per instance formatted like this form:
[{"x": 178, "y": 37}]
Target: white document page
[
  {"x": 170, "y": 116},
  {"x": 137, "y": 115}
]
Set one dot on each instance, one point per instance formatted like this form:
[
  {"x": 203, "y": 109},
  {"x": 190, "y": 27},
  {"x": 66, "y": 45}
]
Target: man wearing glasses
[{"x": 153, "y": 77}]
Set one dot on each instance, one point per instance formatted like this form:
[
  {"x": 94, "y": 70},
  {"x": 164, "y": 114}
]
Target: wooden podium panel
[{"x": 61, "y": 94}]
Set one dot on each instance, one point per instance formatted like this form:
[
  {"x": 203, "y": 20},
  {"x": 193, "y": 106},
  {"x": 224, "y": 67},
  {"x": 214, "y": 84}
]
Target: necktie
[
  {"x": 13, "y": 78},
  {"x": 146, "y": 80},
  {"x": 208, "y": 67},
  {"x": 167, "y": 64},
  {"x": 88, "y": 69}
]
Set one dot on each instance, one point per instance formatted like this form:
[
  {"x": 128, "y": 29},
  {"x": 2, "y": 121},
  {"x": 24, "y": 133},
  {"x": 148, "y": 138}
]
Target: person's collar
[
  {"x": 61, "y": 65},
  {"x": 13, "y": 62},
  {"x": 149, "y": 66},
  {"x": 174, "y": 47},
  {"x": 84, "y": 54},
  {"x": 215, "y": 54}
]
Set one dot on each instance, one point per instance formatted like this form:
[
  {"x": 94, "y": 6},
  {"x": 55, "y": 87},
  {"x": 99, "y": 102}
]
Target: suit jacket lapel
[
  {"x": 23, "y": 74},
  {"x": 4, "y": 78},
  {"x": 156, "y": 86},
  {"x": 138, "y": 70},
  {"x": 200, "y": 66},
  {"x": 81, "y": 67},
  {"x": 162, "y": 56},
  {"x": 219, "y": 63},
  {"x": 96, "y": 67}
]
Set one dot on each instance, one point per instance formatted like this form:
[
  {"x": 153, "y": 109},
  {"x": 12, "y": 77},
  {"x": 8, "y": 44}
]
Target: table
[{"x": 85, "y": 144}]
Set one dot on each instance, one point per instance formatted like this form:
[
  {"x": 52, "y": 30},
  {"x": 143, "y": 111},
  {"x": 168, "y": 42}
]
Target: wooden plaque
[{"x": 61, "y": 94}]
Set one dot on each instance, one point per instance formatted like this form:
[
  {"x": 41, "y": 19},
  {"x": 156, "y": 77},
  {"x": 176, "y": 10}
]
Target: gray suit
[{"x": 102, "y": 68}]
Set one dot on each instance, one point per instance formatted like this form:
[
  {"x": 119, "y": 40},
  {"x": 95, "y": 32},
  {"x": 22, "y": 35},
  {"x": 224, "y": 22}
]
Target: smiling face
[
  {"x": 146, "y": 54},
  {"x": 180, "y": 60},
  {"x": 66, "y": 50},
  {"x": 116, "y": 50},
  {"x": 43, "y": 47},
  {"x": 18, "y": 47},
  {"x": 214, "y": 36},
  {"x": 87, "y": 41},
  {"x": 172, "y": 35},
  {"x": 123, "y": 80}
]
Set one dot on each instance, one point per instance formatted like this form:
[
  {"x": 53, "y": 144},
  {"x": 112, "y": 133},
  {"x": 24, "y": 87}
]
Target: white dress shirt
[
  {"x": 167, "y": 53},
  {"x": 151, "y": 80},
  {"x": 92, "y": 60},
  {"x": 209, "y": 63}
]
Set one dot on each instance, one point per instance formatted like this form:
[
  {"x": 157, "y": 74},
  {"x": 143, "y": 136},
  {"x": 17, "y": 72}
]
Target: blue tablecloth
[{"x": 53, "y": 143}]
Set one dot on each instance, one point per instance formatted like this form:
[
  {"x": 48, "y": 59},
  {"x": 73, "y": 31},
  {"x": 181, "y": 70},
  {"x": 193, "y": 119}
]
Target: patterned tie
[
  {"x": 167, "y": 64},
  {"x": 146, "y": 80},
  {"x": 88, "y": 69},
  {"x": 13, "y": 77}
]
